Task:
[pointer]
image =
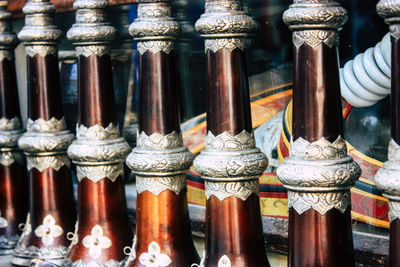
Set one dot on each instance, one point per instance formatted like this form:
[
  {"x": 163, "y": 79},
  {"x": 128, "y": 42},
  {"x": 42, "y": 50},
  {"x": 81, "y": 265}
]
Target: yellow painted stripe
[
  {"x": 366, "y": 194},
  {"x": 280, "y": 156},
  {"x": 367, "y": 219},
  {"x": 274, "y": 206},
  {"x": 366, "y": 181},
  {"x": 351, "y": 149},
  {"x": 270, "y": 89}
]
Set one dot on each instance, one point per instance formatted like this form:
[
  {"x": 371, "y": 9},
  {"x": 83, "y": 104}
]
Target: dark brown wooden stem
[
  {"x": 96, "y": 103},
  {"x": 44, "y": 99},
  {"x": 159, "y": 99},
  {"x": 316, "y": 100},
  {"x": 228, "y": 102},
  {"x": 9, "y": 103}
]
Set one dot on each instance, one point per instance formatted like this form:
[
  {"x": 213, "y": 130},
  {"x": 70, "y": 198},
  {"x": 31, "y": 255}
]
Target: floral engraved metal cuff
[
  {"x": 240, "y": 190},
  {"x": 387, "y": 179},
  {"x": 45, "y": 137},
  {"x": 10, "y": 131},
  {"x": 230, "y": 158},
  {"x": 318, "y": 175},
  {"x": 163, "y": 160},
  {"x": 45, "y": 144},
  {"x": 155, "y": 29},
  {"x": 225, "y": 25},
  {"x": 91, "y": 34},
  {"x": 98, "y": 152},
  {"x": 314, "y": 24},
  {"x": 390, "y": 10},
  {"x": 39, "y": 34}
]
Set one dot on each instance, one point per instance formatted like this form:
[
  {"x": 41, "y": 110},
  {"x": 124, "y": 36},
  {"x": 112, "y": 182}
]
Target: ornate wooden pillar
[
  {"x": 318, "y": 173},
  {"x": 160, "y": 161},
  {"x": 13, "y": 177},
  {"x": 387, "y": 178},
  {"x": 230, "y": 163},
  {"x": 52, "y": 211},
  {"x": 99, "y": 152}
]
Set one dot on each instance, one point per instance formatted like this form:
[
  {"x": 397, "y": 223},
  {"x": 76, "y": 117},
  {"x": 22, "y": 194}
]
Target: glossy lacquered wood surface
[
  {"x": 158, "y": 94},
  {"x": 315, "y": 239},
  {"x": 44, "y": 93},
  {"x": 104, "y": 204},
  {"x": 320, "y": 240},
  {"x": 317, "y": 110},
  {"x": 13, "y": 197},
  {"x": 228, "y": 102},
  {"x": 51, "y": 193},
  {"x": 233, "y": 228},
  {"x": 9, "y": 104},
  {"x": 165, "y": 220},
  {"x": 395, "y": 93},
  {"x": 96, "y": 104}
]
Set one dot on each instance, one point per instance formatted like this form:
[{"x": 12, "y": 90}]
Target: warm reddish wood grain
[{"x": 165, "y": 219}]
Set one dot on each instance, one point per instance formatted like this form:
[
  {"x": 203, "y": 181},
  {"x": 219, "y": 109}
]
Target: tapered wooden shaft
[
  {"x": 387, "y": 178},
  {"x": 13, "y": 178},
  {"x": 160, "y": 161},
  {"x": 233, "y": 220},
  {"x": 318, "y": 199},
  {"x": 52, "y": 212},
  {"x": 103, "y": 229}
]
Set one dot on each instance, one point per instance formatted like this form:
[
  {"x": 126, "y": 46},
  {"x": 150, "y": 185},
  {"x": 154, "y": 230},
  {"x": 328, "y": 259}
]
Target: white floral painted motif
[
  {"x": 153, "y": 257},
  {"x": 96, "y": 242},
  {"x": 3, "y": 222},
  {"x": 48, "y": 230},
  {"x": 224, "y": 261}
]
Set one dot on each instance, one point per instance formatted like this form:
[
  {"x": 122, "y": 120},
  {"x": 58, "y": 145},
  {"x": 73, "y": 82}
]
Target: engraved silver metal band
[
  {"x": 155, "y": 29},
  {"x": 45, "y": 143},
  {"x": 92, "y": 34},
  {"x": 98, "y": 152},
  {"x": 39, "y": 35},
  {"x": 160, "y": 163},
  {"x": 318, "y": 175},
  {"x": 387, "y": 178},
  {"x": 8, "y": 40},
  {"x": 225, "y": 25},
  {"x": 231, "y": 165}
]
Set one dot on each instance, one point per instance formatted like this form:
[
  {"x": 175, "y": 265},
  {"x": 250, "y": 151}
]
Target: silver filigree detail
[
  {"x": 39, "y": 29},
  {"x": 48, "y": 230},
  {"x": 225, "y": 25},
  {"x": 9, "y": 157},
  {"x": 23, "y": 254},
  {"x": 158, "y": 185},
  {"x": 8, "y": 39},
  {"x": 81, "y": 263},
  {"x": 315, "y": 23},
  {"x": 230, "y": 157},
  {"x": 390, "y": 11},
  {"x": 314, "y": 38},
  {"x": 240, "y": 190},
  {"x": 98, "y": 152},
  {"x": 10, "y": 131},
  {"x": 387, "y": 179},
  {"x": 155, "y": 29},
  {"x": 153, "y": 257},
  {"x": 50, "y": 126},
  {"x": 159, "y": 141},
  {"x": 98, "y": 50},
  {"x": 45, "y": 137},
  {"x": 42, "y": 163},
  {"x": 159, "y": 156},
  {"x": 91, "y": 32},
  {"x": 8, "y": 243},
  {"x": 318, "y": 175},
  {"x": 96, "y": 242},
  {"x": 10, "y": 124},
  {"x": 41, "y": 50}
]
